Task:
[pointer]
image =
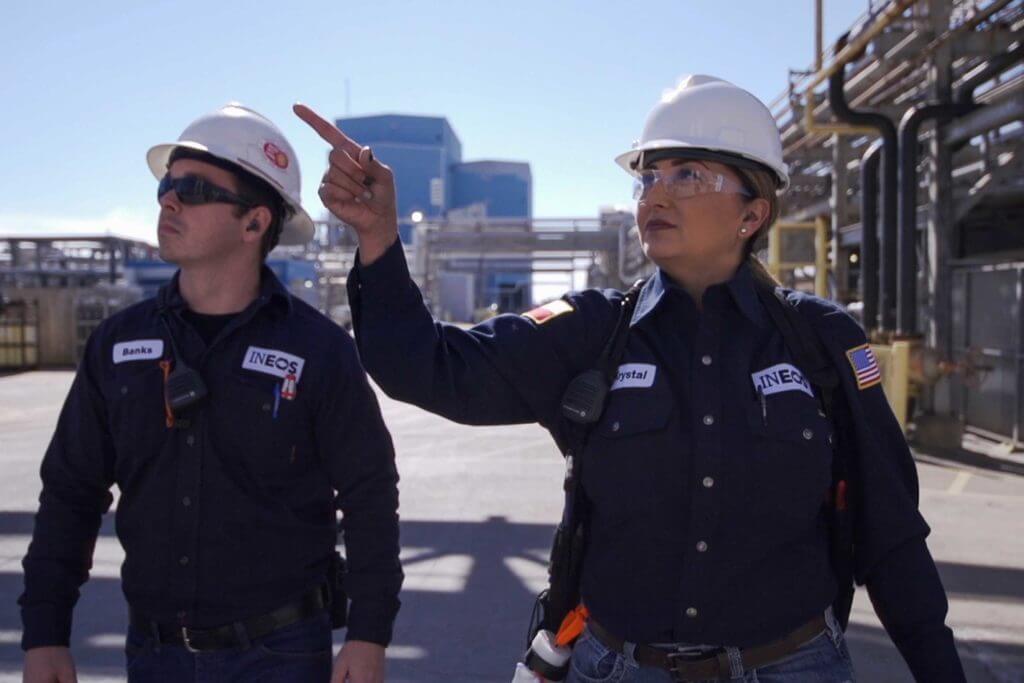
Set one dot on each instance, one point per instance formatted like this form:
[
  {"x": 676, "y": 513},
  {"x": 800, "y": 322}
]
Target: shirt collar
[
  {"x": 272, "y": 291},
  {"x": 744, "y": 293},
  {"x": 741, "y": 288}
]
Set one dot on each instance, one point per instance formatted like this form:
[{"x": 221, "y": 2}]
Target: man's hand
[
  {"x": 357, "y": 189},
  {"x": 359, "y": 662},
  {"x": 50, "y": 665}
]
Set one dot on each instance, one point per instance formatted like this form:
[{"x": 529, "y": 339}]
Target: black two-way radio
[{"x": 184, "y": 386}]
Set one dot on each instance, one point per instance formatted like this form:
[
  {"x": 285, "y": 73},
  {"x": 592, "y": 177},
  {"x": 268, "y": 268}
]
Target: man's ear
[{"x": 257, "y": 221}]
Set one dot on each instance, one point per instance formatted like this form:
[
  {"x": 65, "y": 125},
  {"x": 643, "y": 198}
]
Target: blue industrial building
[
  {"x": 433, "y": 182},
  {"x": 426, "y": 156}
]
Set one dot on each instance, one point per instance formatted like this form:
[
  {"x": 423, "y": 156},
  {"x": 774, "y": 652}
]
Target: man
[{"x": 234, "y": 420}]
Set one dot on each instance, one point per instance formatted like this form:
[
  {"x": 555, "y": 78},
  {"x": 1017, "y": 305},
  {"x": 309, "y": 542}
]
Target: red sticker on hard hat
[{"x": 276, "y": 156}]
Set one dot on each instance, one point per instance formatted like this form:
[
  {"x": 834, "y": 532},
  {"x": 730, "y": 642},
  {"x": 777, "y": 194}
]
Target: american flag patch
[
  {"x": 549, "y": 310},
  {"x": 865, "y": 366}
]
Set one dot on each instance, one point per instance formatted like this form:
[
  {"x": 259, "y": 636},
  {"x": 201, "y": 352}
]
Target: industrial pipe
[
  {"x": 869, "y": 234},
  {"x": 988, "y": 71},
  {"x": 890, "y": 180},
  {"x": 908, "y": 146},
  {"x": 842, "y": 56},
  {"x": 906, "y": 304}
]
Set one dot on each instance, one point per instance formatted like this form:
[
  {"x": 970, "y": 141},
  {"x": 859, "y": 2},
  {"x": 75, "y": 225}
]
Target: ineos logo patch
[
  {"x": 273, "y": 362},
  {"x": 779, "y": 378}
]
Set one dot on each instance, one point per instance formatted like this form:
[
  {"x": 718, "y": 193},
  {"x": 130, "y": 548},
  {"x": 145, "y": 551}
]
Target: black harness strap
[
  {"x": 804, "y": 342},
  {"x": 581, "y": 406}
]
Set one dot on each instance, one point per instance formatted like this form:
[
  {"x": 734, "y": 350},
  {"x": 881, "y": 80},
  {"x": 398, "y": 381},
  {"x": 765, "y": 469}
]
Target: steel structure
[
  {"x": 906, "y": 137},
  {"x": 67, "y": 260}
]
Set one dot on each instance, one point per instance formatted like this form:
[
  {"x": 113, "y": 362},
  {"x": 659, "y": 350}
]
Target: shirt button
[
  {"x": 124, "y": 390},
  {"x": 808, "y": 434},
  {"x": 708, "y": 482},
  {"x": 615, "y": 426},
  {"x": 183, "y": 560},
  {"x": 709, "y": 420},
  {"x": 691, "y": 612},
  {"x": 186, "y": 501},
  {"x": 706, "y": 360},
  {"x": 266, "y": 407},
  {"x": 191, "y": 440},
  {"x": 702, "y": 547}
]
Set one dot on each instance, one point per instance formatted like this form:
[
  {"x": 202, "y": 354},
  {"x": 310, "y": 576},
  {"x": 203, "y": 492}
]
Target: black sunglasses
[{"x": 193, "y": 190}]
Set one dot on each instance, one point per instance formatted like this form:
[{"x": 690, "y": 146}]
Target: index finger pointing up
[{"x": 326, "y": 130}]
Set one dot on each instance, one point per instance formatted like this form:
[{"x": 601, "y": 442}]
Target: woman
[{"x": 707, "y": 477}]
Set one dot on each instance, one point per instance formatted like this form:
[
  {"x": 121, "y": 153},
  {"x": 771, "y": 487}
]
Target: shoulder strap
[
  {"x": 616, "y": 346},
  {"x": 804, "y": 342},
  {"x": 801, "y": 339},
  {"x": 581, "y": 408},
  {"x": 584, "y": 397}
]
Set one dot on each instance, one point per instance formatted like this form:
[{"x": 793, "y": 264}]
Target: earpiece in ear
[{"x": 253, "y": 226}]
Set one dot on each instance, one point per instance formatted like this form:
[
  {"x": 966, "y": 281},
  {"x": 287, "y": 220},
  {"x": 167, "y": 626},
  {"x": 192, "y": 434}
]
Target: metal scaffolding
[{"x": 905, "y": 137}]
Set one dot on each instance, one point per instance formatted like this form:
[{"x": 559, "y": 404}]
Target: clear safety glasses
[{"x": 682, "y": 182}]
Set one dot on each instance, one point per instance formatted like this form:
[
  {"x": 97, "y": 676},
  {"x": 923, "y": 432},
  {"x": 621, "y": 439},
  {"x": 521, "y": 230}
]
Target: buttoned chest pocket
[
  {"x": 790, "y": 457},
  {"x": 268, "y": 431},
  {"x": 136, "y": 416},
  {"x": 633, "y": 452}
]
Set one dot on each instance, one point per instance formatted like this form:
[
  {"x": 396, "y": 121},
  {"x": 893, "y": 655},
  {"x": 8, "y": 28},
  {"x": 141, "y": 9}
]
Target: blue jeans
[
  {"x": 299, "y": 653},
  {"x": 824, "y": 659}
]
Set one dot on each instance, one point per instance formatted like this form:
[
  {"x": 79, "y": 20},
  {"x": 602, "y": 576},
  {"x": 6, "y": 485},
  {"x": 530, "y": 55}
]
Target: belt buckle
[
  {"x": 187, "y": 642},
  {"x": 682, "y": 656},
  {"x": 694, "y": 653}
]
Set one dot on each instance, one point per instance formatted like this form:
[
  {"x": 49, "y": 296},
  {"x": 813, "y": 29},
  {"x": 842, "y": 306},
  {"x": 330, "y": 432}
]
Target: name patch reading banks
[
  {"x": 634, "y": 376},
  {"x": 273, "y": 362},
  {"x": 138, "y": 349},
  {"x": 779, "y": 378}
]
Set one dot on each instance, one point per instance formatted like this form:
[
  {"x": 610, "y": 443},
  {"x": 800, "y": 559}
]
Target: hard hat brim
[{"x": 299, "y": 229}]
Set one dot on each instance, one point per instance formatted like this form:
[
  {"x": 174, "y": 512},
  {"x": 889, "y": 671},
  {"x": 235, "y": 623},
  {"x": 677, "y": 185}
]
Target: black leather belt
[
  {"x": 236, "y": 633},
  {"x": 715, "y": 664}
]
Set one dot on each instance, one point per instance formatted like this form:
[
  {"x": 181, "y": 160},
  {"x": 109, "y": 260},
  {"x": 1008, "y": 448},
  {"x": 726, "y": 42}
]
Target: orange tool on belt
[{"x": 572, "y": 626}]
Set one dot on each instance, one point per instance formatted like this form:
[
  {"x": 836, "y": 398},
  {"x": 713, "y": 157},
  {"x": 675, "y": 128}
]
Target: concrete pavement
[{"x": 478, "y": 506}]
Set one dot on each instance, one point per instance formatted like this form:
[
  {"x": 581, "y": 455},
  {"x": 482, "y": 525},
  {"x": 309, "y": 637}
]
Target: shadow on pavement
[
  {"x": 468, "y": 623},
  {"x": 951, "y": 457}
]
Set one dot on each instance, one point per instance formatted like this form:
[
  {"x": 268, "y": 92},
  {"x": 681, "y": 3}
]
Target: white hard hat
[
  {"x": 241, "y": 136},
  {"x": 711, "y": 117}
]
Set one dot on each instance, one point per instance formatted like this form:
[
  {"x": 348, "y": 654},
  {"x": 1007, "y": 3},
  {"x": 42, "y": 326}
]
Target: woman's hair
[{"x": 762, "y": 184}]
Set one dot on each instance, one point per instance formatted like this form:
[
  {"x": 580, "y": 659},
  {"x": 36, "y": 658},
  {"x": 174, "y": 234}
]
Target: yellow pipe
[
  {"x": 821, "y": 257},
  {"x": 775, "y": 252},
  {"x": 776, "y": 265},
  {"x": 893, "y": 12},
  {"x": 894, "y": 366}
]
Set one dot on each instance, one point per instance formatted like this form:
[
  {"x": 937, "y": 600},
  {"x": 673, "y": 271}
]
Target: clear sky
[{"x": 87, "y": 88}]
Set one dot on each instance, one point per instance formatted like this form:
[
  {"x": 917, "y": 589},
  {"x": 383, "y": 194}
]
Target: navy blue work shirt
[
  {"x": 709, "y": 473},
  {"x": 231, "y": 512}
]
